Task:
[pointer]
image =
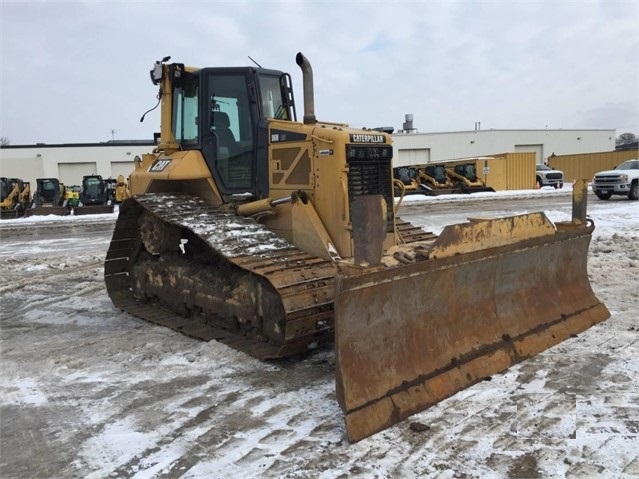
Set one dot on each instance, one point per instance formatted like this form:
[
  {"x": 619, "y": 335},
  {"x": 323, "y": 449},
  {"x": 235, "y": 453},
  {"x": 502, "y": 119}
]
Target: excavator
[{"x": 275, "y": 236}]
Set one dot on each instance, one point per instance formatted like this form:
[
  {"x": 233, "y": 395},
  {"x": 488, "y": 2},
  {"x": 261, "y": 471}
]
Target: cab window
[
  {"x": 185, "y": 111},
  {"x": 273, "y": 104}
]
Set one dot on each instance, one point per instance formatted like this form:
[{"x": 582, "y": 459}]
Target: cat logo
[
  {"x": 360, "y": 138},
  {"x": 159, "y": 165}
]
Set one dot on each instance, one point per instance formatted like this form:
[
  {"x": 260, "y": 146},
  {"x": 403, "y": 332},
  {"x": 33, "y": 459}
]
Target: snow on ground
[{"x": 88, "y": 391}]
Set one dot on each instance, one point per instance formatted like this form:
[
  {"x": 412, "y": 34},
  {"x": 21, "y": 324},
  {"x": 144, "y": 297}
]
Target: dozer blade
[{"x": 491, "y": 293}]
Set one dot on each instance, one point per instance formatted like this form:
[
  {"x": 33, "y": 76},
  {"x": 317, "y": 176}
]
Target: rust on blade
[{"x": 410, "y": 336}]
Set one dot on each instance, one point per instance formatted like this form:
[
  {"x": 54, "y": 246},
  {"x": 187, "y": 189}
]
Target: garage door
[
  {"x": 123, "y": 168},
  {"x": 72, "y": 173}
]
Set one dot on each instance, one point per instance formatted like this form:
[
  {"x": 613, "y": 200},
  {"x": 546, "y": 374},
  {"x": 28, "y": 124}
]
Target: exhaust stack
[{"x": 307, "y": 82}]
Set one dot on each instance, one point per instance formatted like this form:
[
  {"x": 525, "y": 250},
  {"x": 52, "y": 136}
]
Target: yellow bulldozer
[{"x": 274, "y": 235}]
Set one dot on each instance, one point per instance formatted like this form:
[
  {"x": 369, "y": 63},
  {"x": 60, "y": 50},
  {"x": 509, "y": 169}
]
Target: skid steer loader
[
  {"x": 94, "y": 197},
  {"x": 464, "y": 176},
  {"x": 274, "y": 235},
  {"x": 49, "y": 198},
  {"x": 14, "y": 197}
]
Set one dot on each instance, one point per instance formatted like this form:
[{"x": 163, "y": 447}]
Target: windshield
[
  {"x": 543, "y": 167},
  {"x": 92, "y": 186},
  {"x": 629, "y": 165}
]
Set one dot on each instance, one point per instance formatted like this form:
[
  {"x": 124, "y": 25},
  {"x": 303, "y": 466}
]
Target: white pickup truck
[{"x": 623, "y": 180}]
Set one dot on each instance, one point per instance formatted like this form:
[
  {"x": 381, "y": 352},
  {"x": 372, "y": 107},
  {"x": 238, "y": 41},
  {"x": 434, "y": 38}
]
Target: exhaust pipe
[{"x": 307, "y": 82}]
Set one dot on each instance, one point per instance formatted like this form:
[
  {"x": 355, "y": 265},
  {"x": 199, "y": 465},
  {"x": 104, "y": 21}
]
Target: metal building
[
  {"x": 420, "y": 148},
  {"x": 69, "y": 162}
]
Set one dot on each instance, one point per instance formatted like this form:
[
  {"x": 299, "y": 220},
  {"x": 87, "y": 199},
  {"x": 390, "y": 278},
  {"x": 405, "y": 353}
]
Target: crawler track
[{"x": 233, "y": 281}]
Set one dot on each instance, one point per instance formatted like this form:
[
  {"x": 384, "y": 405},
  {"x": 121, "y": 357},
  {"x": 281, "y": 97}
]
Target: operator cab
[{"x": 223, "y": 112}]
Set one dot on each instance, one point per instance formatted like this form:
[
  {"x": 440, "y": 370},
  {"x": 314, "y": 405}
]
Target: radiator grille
[
  {"x": 610, "y": 180},
  {"x": 370, "y": 173},
  {"x": 554, "y": 176}
]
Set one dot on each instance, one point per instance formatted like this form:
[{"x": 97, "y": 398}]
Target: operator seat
[{"x": 220, "y": 125}]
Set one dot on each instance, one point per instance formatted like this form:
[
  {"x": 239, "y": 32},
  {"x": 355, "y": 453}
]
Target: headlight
[{"x": 624, "y": 178}]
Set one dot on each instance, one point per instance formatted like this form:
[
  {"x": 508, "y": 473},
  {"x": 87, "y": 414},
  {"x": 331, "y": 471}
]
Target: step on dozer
[{"x": 486, "y": 295}]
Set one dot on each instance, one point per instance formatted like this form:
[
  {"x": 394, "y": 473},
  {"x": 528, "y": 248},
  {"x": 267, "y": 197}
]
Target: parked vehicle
[
  {"x": 546, "y": 176},
  {"x": 121, "y": 190},
  {"x": 49, "y": 199},
  {"x": 623, "y": 180},
  {"x": 111, "y": 185},
  {"x": 438, "y": 179},
  {"x": 72, "y": 195},
  {"x": 15, "y": 197},
  {"x": 274, "y": 236},
  {"x": 94, "y": 198},
  {"x": 465, "y": 178}
]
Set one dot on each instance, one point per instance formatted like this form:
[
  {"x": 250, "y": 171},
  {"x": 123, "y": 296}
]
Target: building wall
[
  {"x": 70, "y": 163},
  {"x": 27, "y": 168},
  {"x": 467, "y": 144}
]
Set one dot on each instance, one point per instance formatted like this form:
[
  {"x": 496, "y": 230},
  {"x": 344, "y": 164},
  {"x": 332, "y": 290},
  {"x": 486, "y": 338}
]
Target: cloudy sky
[{"x": 78, "y": 71}]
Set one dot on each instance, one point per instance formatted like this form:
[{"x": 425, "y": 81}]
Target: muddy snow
[{"x": 89, "y": 391}]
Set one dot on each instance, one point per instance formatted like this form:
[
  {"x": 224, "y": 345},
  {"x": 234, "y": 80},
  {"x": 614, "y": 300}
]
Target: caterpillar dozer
[{"x": 274, "y": 235}]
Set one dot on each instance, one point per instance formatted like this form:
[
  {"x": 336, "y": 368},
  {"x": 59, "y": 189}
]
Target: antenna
[{"x": 260, "y": 66}]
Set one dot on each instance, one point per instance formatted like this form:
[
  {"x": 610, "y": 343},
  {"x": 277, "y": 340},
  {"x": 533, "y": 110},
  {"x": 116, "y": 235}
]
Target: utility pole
[{"x": 112, "y": 134}]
